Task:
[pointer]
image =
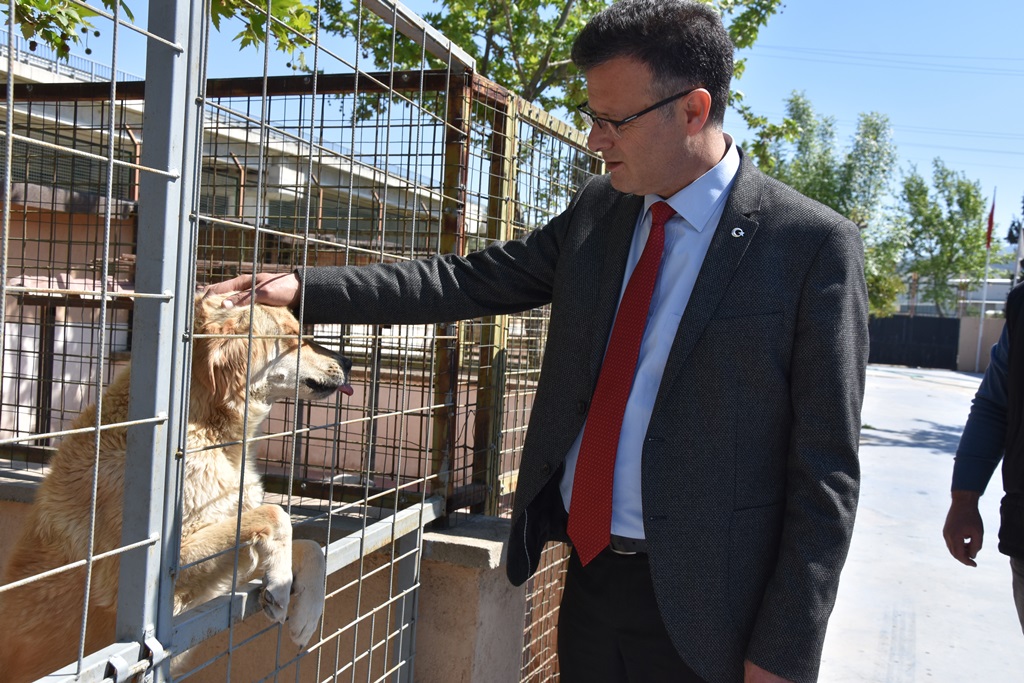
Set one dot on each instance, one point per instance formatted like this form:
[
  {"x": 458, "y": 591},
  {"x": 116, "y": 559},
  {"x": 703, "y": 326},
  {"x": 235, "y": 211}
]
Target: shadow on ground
[{"x": 929, "y": 436}]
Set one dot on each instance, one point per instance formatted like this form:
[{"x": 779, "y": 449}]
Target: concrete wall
[{"x": 470, "y": 615}]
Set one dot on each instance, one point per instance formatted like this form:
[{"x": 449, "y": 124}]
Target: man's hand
[
  {"x": 272, "y": 289},
  {"x": 964, "y": 530},
  {"x": 752, "y": 673}
]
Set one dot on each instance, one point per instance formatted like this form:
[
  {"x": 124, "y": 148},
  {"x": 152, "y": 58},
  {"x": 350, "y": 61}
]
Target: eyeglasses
[{"x": 592, "y": 119}]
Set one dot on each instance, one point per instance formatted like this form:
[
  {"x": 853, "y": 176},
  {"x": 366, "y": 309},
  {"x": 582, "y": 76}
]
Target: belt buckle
[{"x": 611, "y": 544}]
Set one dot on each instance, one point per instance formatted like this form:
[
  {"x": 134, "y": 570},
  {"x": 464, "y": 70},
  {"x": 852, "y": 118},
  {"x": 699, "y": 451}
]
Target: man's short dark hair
[{"x": 682, "y": 42}]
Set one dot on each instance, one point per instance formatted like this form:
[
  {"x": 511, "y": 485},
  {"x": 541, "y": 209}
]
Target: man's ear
[{"x": 696, "y": 110}]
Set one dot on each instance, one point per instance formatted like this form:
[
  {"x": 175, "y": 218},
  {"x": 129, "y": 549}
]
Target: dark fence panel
[{"x": 916, "y": 341}]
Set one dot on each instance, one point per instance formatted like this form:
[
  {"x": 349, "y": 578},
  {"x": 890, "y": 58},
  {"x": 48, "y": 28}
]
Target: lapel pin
[{"x": 738, "y": 232}]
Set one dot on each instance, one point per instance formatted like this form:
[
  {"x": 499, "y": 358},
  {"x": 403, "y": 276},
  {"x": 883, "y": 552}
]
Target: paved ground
[{"x": 907, "y": 611}]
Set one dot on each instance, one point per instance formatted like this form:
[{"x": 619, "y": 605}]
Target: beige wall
[{"x": 968, "y": 359}]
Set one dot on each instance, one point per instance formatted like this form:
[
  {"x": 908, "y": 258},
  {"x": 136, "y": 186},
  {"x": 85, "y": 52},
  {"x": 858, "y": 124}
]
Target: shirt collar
[{"x": 697, "y": 202}]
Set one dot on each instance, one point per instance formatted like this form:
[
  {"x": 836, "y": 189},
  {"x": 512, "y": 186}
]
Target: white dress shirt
[{"x": 699, "y": 207}]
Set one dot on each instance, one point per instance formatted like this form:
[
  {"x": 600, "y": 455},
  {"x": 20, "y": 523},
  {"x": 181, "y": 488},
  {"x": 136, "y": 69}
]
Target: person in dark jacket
[{"x": 993, "y": 433}]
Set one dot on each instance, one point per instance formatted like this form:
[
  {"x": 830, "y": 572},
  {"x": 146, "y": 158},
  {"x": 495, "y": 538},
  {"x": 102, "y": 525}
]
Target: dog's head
[{"x": 279, "y": 362}]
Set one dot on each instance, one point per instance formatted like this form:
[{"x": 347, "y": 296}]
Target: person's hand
[
  {"x": 272, "y": 289},
  {"x": 752, "y": 673},
  {"x": 964, "y": 530}
]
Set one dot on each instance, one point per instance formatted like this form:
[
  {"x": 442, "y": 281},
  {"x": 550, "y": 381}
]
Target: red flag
[{"x": 991, "y": 222}]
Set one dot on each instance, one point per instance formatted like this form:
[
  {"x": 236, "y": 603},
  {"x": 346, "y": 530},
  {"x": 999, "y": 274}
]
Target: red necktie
[{"x": 590, "y": 511}]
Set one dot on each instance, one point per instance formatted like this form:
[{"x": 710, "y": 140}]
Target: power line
[
  {"x": 957, "y": 163},
  {"x": 961, "y": 149},
  {"x": 907, "y": 66},
  {"x": 977, "y": 65},
  {"x": 898, "y": 128},
  {"x": 874, "y": 53}
]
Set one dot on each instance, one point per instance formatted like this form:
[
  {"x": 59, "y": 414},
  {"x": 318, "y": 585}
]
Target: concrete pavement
[{"x": 907, "y": 611}]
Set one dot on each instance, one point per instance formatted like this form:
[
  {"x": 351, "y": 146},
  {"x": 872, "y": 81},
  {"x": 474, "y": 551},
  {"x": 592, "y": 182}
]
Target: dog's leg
[
  {"x": 309, "y": 572},
  {"x": 268, "y": 531}
]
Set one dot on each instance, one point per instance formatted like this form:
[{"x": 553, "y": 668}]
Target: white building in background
[{"x": 358, "y": 206}]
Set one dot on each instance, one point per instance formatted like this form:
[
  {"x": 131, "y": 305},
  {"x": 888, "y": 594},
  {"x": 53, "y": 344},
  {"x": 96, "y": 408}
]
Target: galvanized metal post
[
  {"x": 165, "y": 268},
  {"x": 407, "y": 580}
]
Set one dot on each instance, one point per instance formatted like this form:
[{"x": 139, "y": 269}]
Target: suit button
[
  {"x": 545, "y": 469},
  {"x": 581, "y": 407}
]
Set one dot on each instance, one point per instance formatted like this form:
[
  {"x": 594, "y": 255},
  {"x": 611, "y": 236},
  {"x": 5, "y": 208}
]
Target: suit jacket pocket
[{"x": 754, "y": 535}]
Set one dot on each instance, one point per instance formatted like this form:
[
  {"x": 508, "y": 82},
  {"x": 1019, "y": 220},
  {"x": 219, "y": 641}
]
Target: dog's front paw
[
  {"x": 309, "y": 569},
  {"x": 274, "y": 597}
]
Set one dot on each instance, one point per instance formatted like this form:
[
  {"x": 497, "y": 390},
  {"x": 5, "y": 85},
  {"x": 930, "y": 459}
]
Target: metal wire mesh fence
[
  {"x": 112, "y": 218},
  {"x": 540, "y": 629}
]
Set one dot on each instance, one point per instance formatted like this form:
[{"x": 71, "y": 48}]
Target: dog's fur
[{"x": 40, "y": 622}]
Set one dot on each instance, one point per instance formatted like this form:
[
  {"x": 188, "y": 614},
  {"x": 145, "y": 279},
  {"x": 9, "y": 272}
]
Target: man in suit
[{"x": 733, "y": 479}]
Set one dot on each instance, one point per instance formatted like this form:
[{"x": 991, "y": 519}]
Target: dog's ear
[{"x": 219, "y": 363}]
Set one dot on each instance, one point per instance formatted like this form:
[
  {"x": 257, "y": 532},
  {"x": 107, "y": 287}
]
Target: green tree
[
  {"x": 58, "y": 23},
  {"x": 855, "y": 183},
  {"x": 525, "y": 46},
  {"x": 946, "y": 227}
]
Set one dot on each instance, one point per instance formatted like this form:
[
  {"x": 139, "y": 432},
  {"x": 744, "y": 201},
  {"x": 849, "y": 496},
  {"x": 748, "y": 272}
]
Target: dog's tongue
[{"x": 346, "y": 389}]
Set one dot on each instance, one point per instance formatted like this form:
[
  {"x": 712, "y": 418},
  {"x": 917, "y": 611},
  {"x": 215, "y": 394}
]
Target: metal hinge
[{"x": 153, "y": 653}]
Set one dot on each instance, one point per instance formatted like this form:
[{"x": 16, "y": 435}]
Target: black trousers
[{"x": 609, "y": 627}]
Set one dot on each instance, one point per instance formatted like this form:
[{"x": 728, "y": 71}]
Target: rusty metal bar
[
  {"x": 452, "y": 241},
  {"x": 277, "y": 86},
  {"x": 494, "y": 332}
]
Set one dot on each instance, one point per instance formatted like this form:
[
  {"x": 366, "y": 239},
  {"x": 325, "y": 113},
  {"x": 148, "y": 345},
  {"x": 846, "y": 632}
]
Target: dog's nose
[{"x": 346, "y": 363}]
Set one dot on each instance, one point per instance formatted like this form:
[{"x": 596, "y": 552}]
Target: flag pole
[
  {"x": 1020, "y": 255},
  {"x": 984, "y": 288}
]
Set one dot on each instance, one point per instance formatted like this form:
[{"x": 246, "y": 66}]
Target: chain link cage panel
[{"x": 347, "y": 162}]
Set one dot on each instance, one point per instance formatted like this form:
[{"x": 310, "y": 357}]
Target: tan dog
[{"x": 40, "y": 622}]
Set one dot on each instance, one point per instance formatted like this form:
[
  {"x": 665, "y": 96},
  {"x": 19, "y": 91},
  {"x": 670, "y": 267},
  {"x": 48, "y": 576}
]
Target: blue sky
[{"x": 950, "y": 77}]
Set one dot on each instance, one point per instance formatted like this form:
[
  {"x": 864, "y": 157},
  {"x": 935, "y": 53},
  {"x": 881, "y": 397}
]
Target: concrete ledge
[
  {"x": 19, "y": 486},
  {"x": 477, "y": 543}
]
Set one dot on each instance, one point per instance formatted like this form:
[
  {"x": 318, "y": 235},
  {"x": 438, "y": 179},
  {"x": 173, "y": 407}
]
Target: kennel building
[{"x": 124, "y": 194}]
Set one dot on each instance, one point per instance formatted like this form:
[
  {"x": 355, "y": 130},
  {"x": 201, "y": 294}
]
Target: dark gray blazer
[{"x": 750, "y": 473}]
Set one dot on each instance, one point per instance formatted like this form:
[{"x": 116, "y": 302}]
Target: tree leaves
[
  {"x": 855, "y": 183},
  {"x": 946, "y": 229},
  {"x": 57, "y": 22},
  {"x": 54, "y": 22},
  {"x": 524, "y": 45},
  {"x": 289, "y": 21}
]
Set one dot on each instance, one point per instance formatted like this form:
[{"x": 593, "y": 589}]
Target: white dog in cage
[{"x": 40, "y": 621}]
